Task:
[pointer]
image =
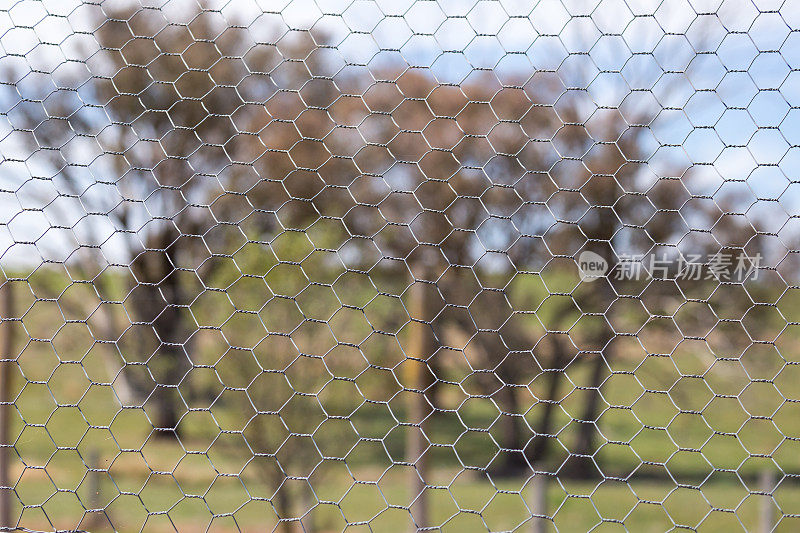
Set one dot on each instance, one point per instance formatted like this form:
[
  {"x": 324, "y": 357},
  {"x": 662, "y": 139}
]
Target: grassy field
[
  {"x": 463, "y": 503},
  {"x": 690, "y": 434}
]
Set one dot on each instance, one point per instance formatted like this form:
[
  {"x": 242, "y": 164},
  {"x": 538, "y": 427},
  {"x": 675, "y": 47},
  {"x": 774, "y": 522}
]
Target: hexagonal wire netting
[{"x": 393, "y": 265}]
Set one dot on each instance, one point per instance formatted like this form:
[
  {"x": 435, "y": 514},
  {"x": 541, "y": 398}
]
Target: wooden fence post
[{"x": 6, "y": 408}]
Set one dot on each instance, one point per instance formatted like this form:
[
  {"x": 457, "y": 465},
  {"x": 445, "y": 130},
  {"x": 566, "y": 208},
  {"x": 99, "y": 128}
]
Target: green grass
[
  {"x": 661, "y": 421},
  {"x": 463, "y": 503}
]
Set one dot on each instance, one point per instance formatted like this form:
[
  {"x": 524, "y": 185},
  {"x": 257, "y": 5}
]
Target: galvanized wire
[{"x": 399, "y": 265}]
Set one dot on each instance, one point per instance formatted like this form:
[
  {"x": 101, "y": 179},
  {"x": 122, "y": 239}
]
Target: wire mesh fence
[{"x": 398, "y": 265}]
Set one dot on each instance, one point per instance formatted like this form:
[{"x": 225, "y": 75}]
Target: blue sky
[{"x": 724, "y": 80}]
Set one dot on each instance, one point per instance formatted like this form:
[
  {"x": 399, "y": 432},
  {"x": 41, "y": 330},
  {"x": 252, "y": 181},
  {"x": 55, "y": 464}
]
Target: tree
[{"x": 241, "y": 176}]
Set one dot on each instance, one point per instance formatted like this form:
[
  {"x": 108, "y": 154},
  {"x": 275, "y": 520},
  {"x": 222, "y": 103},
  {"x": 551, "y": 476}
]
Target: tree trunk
[
  {"x": 587, "y": 432},
  {"x": 156, "y": 303},
  {"x": 273, "y": 476},
  {"x": 541, "y": 442},
  {"x": 168, "y": 365},
  {"x": 283, "y": 505},
  {"x": 513, "y": 435},
  {"x": 306, "y": 525},
  {"x": 6, "y": 410},
  {"x": 584, "y": 445},
  {"x": 603, "y": 230},
  {"x": 127, "y": 391}
]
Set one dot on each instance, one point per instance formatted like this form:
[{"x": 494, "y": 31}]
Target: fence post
[
  {"x": 95, "y": 519},
  {"x": 422, "y": 345},
  {"x": 6, "y": 384},
  {"x": 766, "y": 511},
  {"x": 538, "y": 502}
]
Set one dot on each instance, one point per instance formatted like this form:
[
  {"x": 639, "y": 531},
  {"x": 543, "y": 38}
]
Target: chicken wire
[{"x": 324, "y": 265}]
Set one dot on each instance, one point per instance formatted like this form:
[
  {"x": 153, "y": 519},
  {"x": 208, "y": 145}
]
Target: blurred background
[{"x": 311, "y": 265}]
